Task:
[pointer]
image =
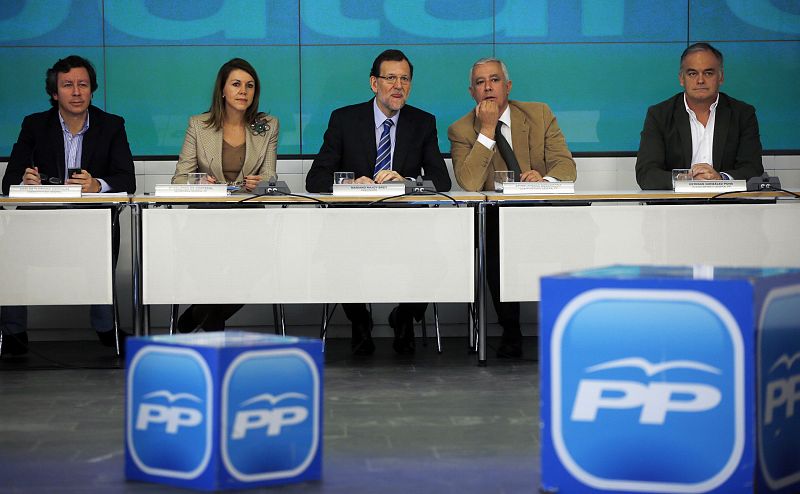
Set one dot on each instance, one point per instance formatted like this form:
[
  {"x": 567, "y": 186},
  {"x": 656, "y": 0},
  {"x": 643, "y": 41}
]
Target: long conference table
[{"x": 326, "y": 249}]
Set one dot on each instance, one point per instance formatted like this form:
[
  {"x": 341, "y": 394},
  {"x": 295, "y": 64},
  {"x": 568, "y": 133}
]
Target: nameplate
[
  {"x": 710, "y": 186},
  {"x": 199, "y": 190},
  {"x": 56, "y": 191},
  {"x": 519, "y": 188},
  {"x": 369, "y": 190}
]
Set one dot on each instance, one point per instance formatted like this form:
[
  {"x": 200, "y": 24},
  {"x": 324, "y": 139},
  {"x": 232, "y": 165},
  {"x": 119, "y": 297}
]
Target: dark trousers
[
  {"x": 358, "y": 313},
  {"x": 507, "y": 312},
  {"x": 212, "y": 317}
]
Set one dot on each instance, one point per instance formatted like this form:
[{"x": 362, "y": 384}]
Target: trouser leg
[
  {"x": 357, "y": 313},
  {"x": 412, "y": 310},
  {"x": 507, "y": 312},
  {"x": 212, "y": 317},
  {"x": 101, "y": 317},
  {"x": 14, "y": 319}
]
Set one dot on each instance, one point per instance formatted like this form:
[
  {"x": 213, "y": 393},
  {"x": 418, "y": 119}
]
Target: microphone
[
  {"x": 419, "y": 186},
  {"x": 271, "y": 187},
  {"x": 764, "y": 182}
]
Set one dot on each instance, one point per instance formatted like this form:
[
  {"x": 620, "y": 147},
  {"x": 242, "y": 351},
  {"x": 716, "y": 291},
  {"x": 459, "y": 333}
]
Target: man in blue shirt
[{"x": 72, "y": 143}]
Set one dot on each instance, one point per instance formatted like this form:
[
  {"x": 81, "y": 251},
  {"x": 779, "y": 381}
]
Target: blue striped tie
[{"x": 384, "y": 159}]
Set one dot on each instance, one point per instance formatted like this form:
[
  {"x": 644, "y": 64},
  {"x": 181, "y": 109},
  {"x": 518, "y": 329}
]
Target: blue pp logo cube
[
  {"x": 170, "y": 413},
  {"x": 647, "y": 390},
  {"x": 779, "y": 389},
  {"x": 270, "y": 426}
]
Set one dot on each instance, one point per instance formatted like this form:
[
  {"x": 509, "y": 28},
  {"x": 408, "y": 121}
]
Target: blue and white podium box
[
  {"x": 670, "y": 380},
  {"x": 223, "y": 410}
]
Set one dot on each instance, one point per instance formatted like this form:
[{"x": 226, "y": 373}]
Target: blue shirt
[{"x": 73, "y": 147}]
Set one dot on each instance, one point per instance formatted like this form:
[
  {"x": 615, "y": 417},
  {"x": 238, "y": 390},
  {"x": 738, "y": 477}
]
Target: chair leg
[
  {"x": 472, "y": 328},
  {"x": 173, "y": 318},
  {"x": 115, "y": 318},
  {"x": 283, "y": 319},
  {"x": 275, "y": 318},
  {"x": 424, "y": 331},
  {"x": 323, "y": 332},
  {"x": 436, "y": 325}
]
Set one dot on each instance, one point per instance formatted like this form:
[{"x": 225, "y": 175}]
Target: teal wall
[{"x": 598, "y": 63}]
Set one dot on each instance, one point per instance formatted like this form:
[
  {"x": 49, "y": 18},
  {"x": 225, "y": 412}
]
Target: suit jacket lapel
[
  {"x": 56, "y": 138},
  {"x": 684, "y": 131},
  {"x": 212, "y": 143},
  {"x": 722, "y": 122},
  {"x": 90, "y": 140},
  {"x": 252, "y": 150},
  {"x": 519, "y": 139},
  {"x": 367, "y": 131},
  {"x": 403, "y": 136}
]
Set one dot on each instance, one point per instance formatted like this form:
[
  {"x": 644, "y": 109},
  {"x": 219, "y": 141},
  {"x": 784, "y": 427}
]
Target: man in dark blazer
[
  {"x": 409, "y": 147},
  {"x": 72, "y": 135},
  {"x": 701, "y": 129}
]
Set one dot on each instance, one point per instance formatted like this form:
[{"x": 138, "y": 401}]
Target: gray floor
[{"x": 423, "y": 424}]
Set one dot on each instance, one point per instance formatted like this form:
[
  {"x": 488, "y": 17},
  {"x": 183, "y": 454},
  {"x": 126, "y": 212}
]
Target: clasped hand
[
  {"x": 383, "y": 176},
  {"x": 250, "y": 181},
  {"x": 704, "y": 171}
]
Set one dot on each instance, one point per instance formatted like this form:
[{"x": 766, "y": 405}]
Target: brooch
[{"x": 259, "y": 127}]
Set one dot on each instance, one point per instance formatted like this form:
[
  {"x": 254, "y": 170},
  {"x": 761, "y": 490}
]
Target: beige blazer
[
  {"x": 535, "y": 136},
  {"x": 202, "y": 151}
]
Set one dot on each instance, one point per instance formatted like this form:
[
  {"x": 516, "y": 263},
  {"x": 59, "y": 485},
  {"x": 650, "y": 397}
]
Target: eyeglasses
[
  {"x": 50, "y": 180},
  {"x": 391, "y": 79}
]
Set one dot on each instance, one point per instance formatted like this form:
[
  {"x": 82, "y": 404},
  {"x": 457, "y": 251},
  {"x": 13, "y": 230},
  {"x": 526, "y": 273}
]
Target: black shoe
[
  {"x": 187, "y": 322},
  {"x": 403, "y": 333},
  {"x": 15, "y": 344},
  {"x": 362, "y": 344},
  {"x": 107, "y": 339},
  {"x": 510, "y": 348}
]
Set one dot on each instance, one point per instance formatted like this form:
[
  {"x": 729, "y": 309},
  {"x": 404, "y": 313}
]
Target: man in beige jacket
[{"x": 496, "y": 135}]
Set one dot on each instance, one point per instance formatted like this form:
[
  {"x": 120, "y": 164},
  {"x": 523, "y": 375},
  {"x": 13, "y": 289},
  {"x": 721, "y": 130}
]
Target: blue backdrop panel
[{"x": 598, "y": 63}]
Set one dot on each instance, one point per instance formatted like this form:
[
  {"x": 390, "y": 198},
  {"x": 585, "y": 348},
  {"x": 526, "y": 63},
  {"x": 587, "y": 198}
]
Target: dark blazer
[
  {"x": 666, "y": 142},
  {"x": 105, "y": 153},
  {"x": 349, "y": 145}
]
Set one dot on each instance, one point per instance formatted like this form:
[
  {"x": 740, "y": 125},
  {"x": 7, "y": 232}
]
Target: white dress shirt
[{"x": 703, "y": 136}]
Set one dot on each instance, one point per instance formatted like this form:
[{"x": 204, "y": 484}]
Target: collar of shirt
[
  {"x": 693, "y": 115},
  {"x": 506, "y": 129},
  {"x": 506, "y": 117},
  {"x": 66, "y": 129},
  {"x": 380, "y": 117}
]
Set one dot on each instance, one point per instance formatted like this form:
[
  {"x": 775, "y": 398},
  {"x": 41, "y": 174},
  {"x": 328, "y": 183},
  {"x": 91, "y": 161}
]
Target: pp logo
[
  {"x": 169, "y": 412},
  {"x": 647, "y": 390},
  {"x": 779, "y": 388},
  {"x": 270, "y": 414}
]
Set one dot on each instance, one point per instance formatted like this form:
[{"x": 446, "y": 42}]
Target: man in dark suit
[
  {"x": 72, "y": 143},
  {"x": 379, "y": 141},
  {"x": 702, "y": 129}
]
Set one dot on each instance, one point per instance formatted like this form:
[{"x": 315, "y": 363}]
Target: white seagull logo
[
  {"x": 273, "y": 399},
  {"x": 786, "y": 360},
  {"x": 651, "y": 369},
  {"x": 172, "y": 398}
]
